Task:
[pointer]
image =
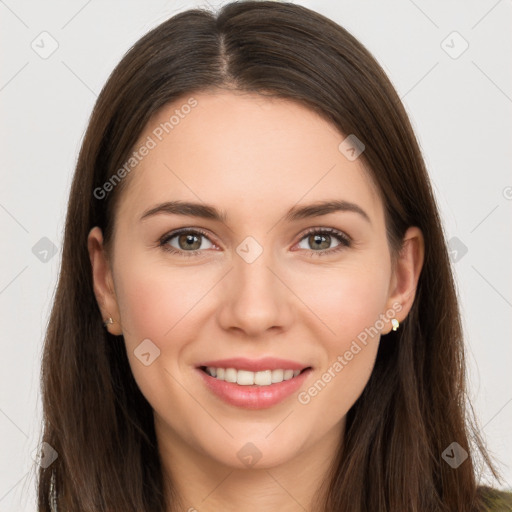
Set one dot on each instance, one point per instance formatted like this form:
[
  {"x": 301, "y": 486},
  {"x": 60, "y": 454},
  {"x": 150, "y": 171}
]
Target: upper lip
[{"x": 255, "y": 365}]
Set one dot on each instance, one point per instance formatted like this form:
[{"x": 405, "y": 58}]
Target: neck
[{"x": 202, "y": 484}]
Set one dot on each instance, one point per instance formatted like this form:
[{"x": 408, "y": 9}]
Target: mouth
[
  {"x": 266, "y": 377},
  {"x": 251, "y": 384}
]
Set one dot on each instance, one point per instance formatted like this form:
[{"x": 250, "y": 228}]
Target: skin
[{"x": 254, "y": 158}]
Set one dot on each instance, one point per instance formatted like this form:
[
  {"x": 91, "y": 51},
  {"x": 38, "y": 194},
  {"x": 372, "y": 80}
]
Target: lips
[
  {"x": 261, "y": 392},
  {"x": 248, "y": 378},
  {"x": 255, "y": 365}
]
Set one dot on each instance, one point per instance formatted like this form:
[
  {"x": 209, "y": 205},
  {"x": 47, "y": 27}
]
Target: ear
[
  {"x": 406, "y": 273},
  {"x": 103, "y": 281}
]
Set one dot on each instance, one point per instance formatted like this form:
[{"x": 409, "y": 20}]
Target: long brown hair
[{"x": 414, "y": 405}]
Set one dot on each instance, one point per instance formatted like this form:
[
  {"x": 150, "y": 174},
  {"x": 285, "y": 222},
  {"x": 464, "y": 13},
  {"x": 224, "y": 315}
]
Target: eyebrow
[{"x": 295, "y": 213}]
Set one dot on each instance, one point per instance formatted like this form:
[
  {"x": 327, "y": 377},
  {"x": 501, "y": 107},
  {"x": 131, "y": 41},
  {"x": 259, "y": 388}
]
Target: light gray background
[{"x": 460, "y": 108}]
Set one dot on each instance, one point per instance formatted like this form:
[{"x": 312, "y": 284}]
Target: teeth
[
  {"x": 230, "y": 375},
  {"x": 247, "y": 378},
  {"x": 263, "y": 378},
  {"x": 277, "y": 376},
  {"x": 288, "y": 374}
]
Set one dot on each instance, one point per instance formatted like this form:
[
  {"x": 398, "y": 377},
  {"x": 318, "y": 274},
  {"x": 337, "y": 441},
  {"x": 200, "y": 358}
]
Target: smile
[
  {"x": 248, "y": 378},
  {"x": 250, "y": 384}
]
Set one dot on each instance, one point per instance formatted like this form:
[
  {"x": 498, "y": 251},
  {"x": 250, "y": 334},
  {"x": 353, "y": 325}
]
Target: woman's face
[{"x": 255, "y": 290}]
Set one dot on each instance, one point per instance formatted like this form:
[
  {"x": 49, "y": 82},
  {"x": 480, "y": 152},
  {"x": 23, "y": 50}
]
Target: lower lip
[{"x": 253, "y": 397}]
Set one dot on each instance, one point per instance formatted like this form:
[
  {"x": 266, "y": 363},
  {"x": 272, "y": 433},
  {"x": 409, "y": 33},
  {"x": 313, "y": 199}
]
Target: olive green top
[{"x": 496, "y": 500}]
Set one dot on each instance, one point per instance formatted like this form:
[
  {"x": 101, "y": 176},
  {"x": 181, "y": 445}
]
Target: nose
[{"x": 254, "y": 298}]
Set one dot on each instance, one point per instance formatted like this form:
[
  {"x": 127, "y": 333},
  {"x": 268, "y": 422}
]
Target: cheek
[
  {"x": 153, "y": 299},
  {"x": 156, "y": 303},
  {"x": 346, "y": 301},
  {"x": 162, "y": 304}
]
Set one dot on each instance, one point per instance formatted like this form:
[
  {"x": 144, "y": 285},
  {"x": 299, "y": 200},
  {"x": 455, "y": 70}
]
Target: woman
[{"x": 256, "y": 309}]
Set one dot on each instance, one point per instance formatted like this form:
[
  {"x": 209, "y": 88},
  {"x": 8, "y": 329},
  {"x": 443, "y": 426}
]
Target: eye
[
  {"x": 321, "y": 239},
  {"x": 185, "y": 242},
  {"x": 189, "y": 242}
]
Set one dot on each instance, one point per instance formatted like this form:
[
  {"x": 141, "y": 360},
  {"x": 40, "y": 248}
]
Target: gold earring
[
  {"x": 109, "y": 321},
  {"x": 395, "y": 323}
]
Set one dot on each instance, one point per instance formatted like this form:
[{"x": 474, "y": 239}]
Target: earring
[
  {"x": 108, "y": 321},
  {"x": 395, "y": 323}
]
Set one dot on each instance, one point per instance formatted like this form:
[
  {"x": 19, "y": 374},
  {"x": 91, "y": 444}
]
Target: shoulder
[{"x": 495, "y": 500}]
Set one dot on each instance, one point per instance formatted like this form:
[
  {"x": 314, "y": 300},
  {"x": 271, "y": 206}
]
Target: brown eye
[
  {"x": 186, "y": 242},
  {"x": 189, "y": 242},
  {"x": 319, "y": 241}
]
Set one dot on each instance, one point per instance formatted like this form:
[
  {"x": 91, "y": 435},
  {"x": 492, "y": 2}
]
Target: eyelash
[{"x": 344, "y": 240}]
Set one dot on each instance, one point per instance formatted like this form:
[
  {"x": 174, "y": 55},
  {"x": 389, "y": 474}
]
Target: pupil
[
  {"x": 189, "y": 240},
  {"x": 318, "y": 240}
]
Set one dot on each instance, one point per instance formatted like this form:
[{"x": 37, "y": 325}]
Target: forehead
[{"x": 240, "y": 151}]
